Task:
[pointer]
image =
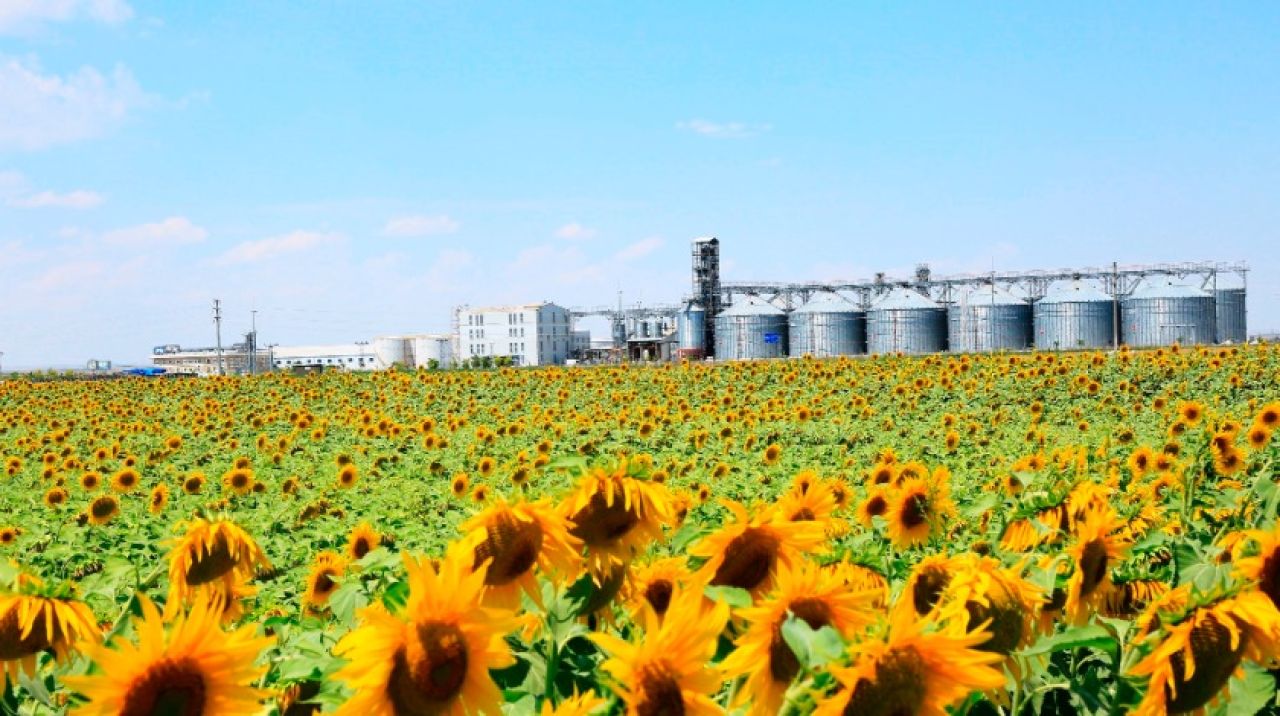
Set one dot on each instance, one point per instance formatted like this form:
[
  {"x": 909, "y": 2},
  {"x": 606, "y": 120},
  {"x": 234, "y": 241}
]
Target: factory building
[
  {"x": 529, "y": 334},
  {"x": 235, "y": 360},
  {"x": 338, "y": 356}
]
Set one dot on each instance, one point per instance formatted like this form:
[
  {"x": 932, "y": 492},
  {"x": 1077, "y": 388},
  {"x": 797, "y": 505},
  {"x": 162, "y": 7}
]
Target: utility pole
[
  {"x": 1115, "y": 305},
  {"x": 217, "y": 323}
]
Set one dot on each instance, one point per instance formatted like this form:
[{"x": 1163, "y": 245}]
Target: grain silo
[
  {"x": 749, "y": 329},
  {"x": 904, "y": 320},
  {"x": 988, "y": 318},
  {"x": 691, "y": 329},
  {"x": 1075, "y": 315},
  {"x": 1161, "y": 313},
  {"x": 391, "y": 350},
  {"x": 828, "y": 325},
  {"x": 1230, "y": 307}
]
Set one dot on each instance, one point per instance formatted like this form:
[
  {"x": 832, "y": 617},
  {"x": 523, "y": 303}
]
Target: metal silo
[
  {"x": 1075, "y": 315},
  {"x": 691, "y": 327},
  {"x": 988, "y": 318},
  {"x": 1229, "y": 303},
  {"x": 1161, "y": 313},
  {"x": 904, "y": 320},
  {"x": 751, "y": 328},
  {"x": 828, "y": 325}
]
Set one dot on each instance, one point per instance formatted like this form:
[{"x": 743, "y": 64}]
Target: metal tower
[{"x": 706, "y": 283}]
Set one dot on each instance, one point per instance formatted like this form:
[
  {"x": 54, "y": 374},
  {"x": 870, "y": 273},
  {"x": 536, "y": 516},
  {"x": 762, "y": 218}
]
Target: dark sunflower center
[
  {"x": 102, "y": 508},
  {"x": 600, "y": 523},
  {"x": 429, "y": 671},
  {"x": 658, "y": 594},
  {"x": 1214, "y": 661},
  {"x": 172, "y": 687},
  {"x": 361, "y": 547},
  {"x": 659, "y": 693},
  {"x": 928, "y": 588},
  {"x": 1006, "y": 624},
  {"x": 783, "y": 664},
  {"x": 877, "y": 505},
  {"x": 747, "y": 560},
  {"x": 915, "y": 511},
  {"x": 804, "y": 514},
  {"x": 12, "y": 645},
  {"x": 512, "y": 544},
  {"x": 211, "y": 565},
  {"x": 898, "y": 688},
  {"x": 1093, "y": 566},
  {"x": 324, "y": 582},
  {"x": 1269, "y": 578}
]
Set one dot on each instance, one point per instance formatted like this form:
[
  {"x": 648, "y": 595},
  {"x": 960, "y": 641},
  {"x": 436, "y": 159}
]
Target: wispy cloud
[
  {"x": 25, "y": 15},
  {"x": 409, "y": 226},
  {"x": 573, "y": 231},
  {"x": 639, "y": 249},
  {"x": 275, "y": 246},
  {"x": 723, "y": 130},
  {"x": 172, "y": 231},
  {"x": 39, "y": 110},
  {"x": 78, "y": 199}
]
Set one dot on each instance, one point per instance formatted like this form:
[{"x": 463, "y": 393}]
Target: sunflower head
[
  {"x": 514, "y": 539},
  {"x": 362, "y": 540},
  {"x": 747, "y": 552},
  {"x": 616, "y": 512},
  {"x": 214, "y": 558},
  {"x": 322, "y": 582},
  {"x": 35, "y": 617},
  {"x": 103, "y": 509}
]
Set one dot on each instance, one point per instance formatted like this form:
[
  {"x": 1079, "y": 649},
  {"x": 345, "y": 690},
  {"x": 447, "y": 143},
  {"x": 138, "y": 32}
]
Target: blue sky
[{"x": 350, "y": 169}]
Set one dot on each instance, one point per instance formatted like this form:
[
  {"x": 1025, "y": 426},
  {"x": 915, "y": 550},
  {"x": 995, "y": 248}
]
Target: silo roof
[
  {"x": 1166, "y": 289},
  {"x": 901, "y": 298},
  {"x": 828, "y": 302},
  {"x": 991, "y": 295},
  {"x": 752, "y": 306},
  {"x": 1075, "y": 292}
]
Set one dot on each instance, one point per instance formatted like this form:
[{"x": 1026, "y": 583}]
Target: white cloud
[
  {"x": 573, "y": 231},
  {"x": 171, "y": 231},
  {"x": 639, "y": 249},
  {"x": 70, "y": 274},
  {"x": 269, "y": 248},
  {"x": 21, "y": 15},
  {"x": 39, "y": 110},
  {"x": 723, "y": 130},
  {"x": 78, "y": 199},
  {"x": 406, "y": 226}
]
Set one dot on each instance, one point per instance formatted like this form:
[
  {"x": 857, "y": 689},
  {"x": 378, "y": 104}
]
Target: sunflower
[
  {"x": 650, "y": 586},
  {"x": 486, "y": 466},
  {"x": 816, "y": 502},
  {"x": 1269, "y": 416},
  {"x": 912, "y": 670},
  {"x": 480, "y": 495},
  {"x": 9, "y": 535},
  {"x": 215, "y": 559},
  {"x": 362, "y": 540},
  {"x": 927, "y": 583},
  {"x": 772, "y": 454},
  {"x": 1258, "y": 437},
  {"x": 1097, "y": 545},
  {"x": 347, "y": 476},
  {"x": 917, "y": 511},
  {"x": 55, "y": 497},
  {"x": 90, "y": 481},
  {"x": 1191, "y": 412},
  {"x": 1128, "y": 599},
  {"x": 576, "y": 705},
  {"x": 876, "y": 505},
  {"x": 125, "y": 480},
  {"x": 616, "y": 514},
  {"x": 808, "y": 592},
  {"x": 458, "y": 486},
  {"x": 103, "y": 509},
  {"x": 1263, "y": 568},
  {"x": 435, "y": 655},
  {"x": 513, "y": 539},
  {"x": 238, "y": 480},
  {"x": 35, "y": 618},
  {"x": 861, "y": 578},
  {"x": 1228, "y": 461},
  {"x": 983, "y": 594},
  {"x": 667, "y": 671},
  {"x": 747, "y": 552},
  {"x": 320, "y": 583},
  {"x": 194, "y": 668},
  {"x": 1198, "y": 650},
  {"x": 159, "y": 498},
  {"x": 193, "y": 483}
]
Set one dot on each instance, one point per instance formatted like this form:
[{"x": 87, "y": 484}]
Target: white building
[
  {"x": 204, "y": 362},
  {"x": 340, "y": 356},
  {"x": 530, "y": 334}
]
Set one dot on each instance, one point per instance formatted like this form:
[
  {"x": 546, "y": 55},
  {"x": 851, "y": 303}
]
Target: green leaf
[
  {"x": 735, "y": 597},
  {"x": 1091, "y": 636},
  {"x": 346, "y": 600},
  {"x": 1252, "y": 693},
  {"x": 396, "y": 596},
  {"x": 815, "y": 648}
]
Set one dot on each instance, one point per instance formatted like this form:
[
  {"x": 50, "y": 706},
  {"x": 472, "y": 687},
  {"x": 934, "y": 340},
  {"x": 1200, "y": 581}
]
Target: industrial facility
[{"x": 1068, "y": 309}]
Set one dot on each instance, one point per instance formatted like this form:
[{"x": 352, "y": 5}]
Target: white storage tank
[
  {"x": 1075, "y": 316},
  {"x": 749, "y": 329},
  {"x": 989, "y": 318},
  {"x": 907, "y": 321},
  {"x": 429, "y": 347},
  {"x": 1162, "y": 312},
  {"x": 391, "y": 350}
]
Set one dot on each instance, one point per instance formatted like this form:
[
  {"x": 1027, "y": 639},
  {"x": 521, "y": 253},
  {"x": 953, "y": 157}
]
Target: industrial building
[
  {"x": 233, "y": 360},
  {"x": 1068, "y": 309},
  {"x": 426, "y": 350},
  {"x": 529, "y": 334}
]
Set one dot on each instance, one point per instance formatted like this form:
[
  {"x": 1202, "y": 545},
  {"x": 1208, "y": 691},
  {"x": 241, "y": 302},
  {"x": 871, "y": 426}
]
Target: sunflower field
[{"x": 1038, "y": 533}]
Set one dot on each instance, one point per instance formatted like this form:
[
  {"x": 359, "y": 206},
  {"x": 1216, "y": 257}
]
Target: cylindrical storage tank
[
  {"x": 619, "y": 332},
  {"x": 752, "y": 328},
  {"x": 904, "y": 320},
  {"x": 391, "y": 350},
  {"x": 1075, "y": 316},
  {"x": 1161, "y": 313},
  {"x": 428, "y": 348},
  {"x": 988, "y": 319},
  {"x": 1229, "y": 304},
  {"x": 691, "y": 325},
  {"x": 828, "y": 325}
]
